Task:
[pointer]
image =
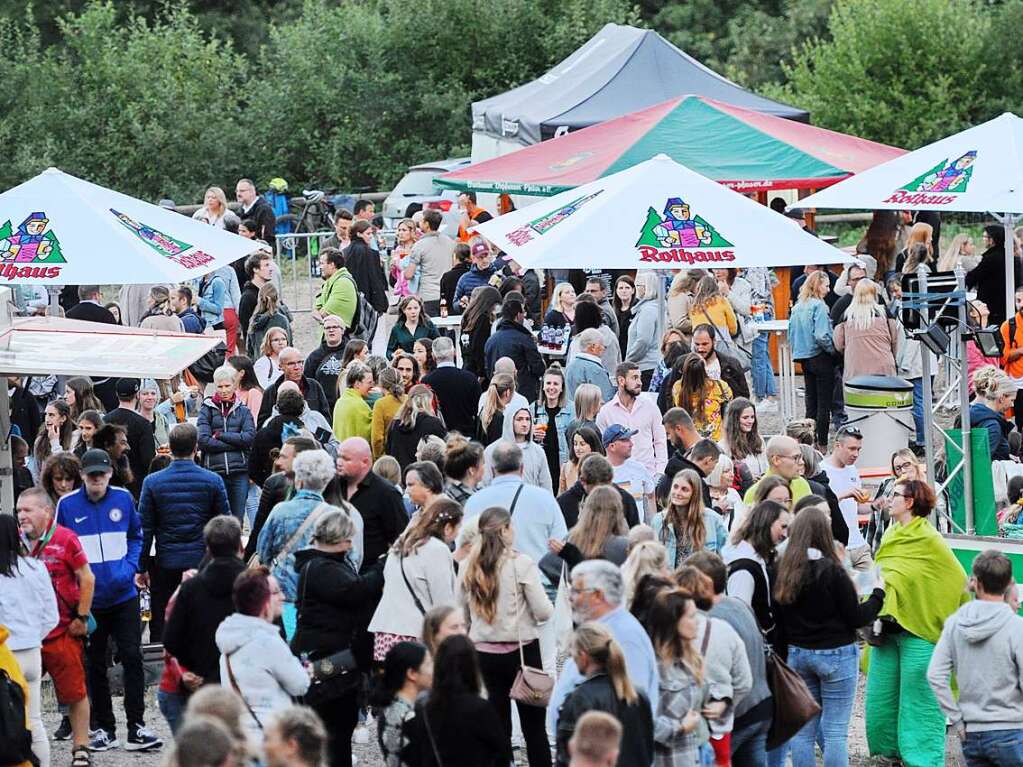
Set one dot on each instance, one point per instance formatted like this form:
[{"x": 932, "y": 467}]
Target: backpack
[
  {"x": 365, "y": 315},
  {"x": 15, "y": 737}
]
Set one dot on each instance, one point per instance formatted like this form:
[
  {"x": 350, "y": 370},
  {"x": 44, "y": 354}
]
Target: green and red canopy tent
[{"x": 744, "y": 150}]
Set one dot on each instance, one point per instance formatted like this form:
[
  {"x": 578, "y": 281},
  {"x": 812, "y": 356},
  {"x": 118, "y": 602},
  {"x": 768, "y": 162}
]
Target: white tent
[
  {"x": 56, "y": 229},
  {"x": 979, "y": 170},
  {"x": 655, "y": 215}
]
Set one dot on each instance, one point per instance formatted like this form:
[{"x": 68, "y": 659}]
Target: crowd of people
[{"x": 591, "y": 553}]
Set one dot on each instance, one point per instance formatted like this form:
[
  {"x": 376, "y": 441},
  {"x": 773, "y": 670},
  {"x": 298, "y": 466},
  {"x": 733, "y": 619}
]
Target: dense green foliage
[{"x": 161, "y": 99}]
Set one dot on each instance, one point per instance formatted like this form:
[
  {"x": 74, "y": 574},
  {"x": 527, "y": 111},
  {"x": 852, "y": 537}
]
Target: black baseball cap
[{"x": 96, "y": 462}]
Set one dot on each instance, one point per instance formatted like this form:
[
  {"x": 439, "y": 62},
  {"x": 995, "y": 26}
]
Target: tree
[
  {"x": 148, "y": 109},
  {"x": 897, "y": 71}
]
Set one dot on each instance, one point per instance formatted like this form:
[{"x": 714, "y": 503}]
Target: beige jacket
[{"x": 518, "y": 584}]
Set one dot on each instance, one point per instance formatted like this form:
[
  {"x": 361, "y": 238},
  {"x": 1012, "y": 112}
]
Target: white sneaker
[
  {"x": 361, "y": 735},
  {"x": 768, "y": 406}
]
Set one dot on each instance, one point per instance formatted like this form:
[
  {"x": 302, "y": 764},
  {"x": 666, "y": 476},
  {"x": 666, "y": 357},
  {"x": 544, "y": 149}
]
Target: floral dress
[{"x": 709, "y": 419}]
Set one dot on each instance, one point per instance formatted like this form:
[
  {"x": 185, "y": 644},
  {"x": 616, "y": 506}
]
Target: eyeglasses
[
  {"x": 332, "y": 327},
  {"x": 903, "y": 495},
  {"x": 900, "y": 467},
  {"x": 798, "y": 457},
  {"x": 574, "y": 590}
]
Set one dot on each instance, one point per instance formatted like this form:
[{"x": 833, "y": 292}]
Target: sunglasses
[{"x": 850, "y": 431}]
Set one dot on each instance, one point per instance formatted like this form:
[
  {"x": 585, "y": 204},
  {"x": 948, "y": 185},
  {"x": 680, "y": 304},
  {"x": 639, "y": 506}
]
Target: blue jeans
[
  {"x": 172, "y": 706},
  {"x": 994, "y": 748},
  {"x": 831, "y": 676},
  {"x": 749, "y": 745},
  {"x": 237, "y": 493},
  {"x": 918, "y": 408},
  {"x": 760, "y": 365},
  {"x": 252, "y": 503}
]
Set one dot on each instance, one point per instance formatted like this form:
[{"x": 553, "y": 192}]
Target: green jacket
[
  {"x": 400, "y": 338},
  {"x": 352, "y": 416},
  {"x": 338, "y": 296}
]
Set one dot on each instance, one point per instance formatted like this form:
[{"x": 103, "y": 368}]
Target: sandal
[{"x": 80, "y": 757}]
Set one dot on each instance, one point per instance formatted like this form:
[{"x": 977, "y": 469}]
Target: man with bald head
[
  {"x": 785, "y": 460},
  {"x": 379, "y": 502},
  {"x": 292, "y": 362}
]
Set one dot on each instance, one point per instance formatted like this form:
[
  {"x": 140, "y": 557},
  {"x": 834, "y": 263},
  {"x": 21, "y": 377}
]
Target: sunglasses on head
[{"x": 850, "y": 431}]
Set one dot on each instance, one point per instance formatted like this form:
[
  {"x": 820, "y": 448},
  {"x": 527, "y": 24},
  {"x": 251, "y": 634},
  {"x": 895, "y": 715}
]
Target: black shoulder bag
[{"x": 333, "y": 676}]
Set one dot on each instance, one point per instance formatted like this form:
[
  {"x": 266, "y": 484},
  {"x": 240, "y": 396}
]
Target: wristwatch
[{"x": 82, "y": 618}]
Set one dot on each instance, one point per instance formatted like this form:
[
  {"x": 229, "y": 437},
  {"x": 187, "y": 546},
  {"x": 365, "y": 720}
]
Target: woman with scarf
[
  {"x": 924, "y": 584},
  {"x": 226, "y": 432}
]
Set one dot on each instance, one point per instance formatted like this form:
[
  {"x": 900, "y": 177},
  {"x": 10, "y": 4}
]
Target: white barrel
[{"x": 881, "y": 407}]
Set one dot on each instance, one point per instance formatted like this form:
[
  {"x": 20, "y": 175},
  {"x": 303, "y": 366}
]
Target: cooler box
[{"x": 882, "y": 408}]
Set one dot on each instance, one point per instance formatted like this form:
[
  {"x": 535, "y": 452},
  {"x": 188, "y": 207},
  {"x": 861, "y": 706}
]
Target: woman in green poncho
[{"x": 924, "y": 584}]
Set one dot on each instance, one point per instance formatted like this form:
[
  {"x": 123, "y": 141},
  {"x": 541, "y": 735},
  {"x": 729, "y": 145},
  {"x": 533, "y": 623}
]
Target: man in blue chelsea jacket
[{"x": 110, "y": 530}]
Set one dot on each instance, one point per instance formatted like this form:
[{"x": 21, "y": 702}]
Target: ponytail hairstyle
[
  {"x": 596, "y": 641},
  {"x": 483, "y": 565},
  {"x": 400, "y": 659},
  {"x": 500, "y": 384},
  {"x": 428, "y": 523}
]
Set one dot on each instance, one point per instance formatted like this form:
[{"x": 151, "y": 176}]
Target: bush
[{"x": 904, "y": 72}]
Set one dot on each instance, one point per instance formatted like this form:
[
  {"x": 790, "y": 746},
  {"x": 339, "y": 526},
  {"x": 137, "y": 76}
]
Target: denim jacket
[
  {"x": 564, "y": 417},
  {"x": 810, "y": 331}
]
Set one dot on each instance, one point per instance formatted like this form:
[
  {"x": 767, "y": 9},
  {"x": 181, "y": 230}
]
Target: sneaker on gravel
[
  {"x": 101, "y": 740},
  {"x": 64, "y": 731},
  {"x": 141, "y": 739},
  {"x": 361, "y": 735}
]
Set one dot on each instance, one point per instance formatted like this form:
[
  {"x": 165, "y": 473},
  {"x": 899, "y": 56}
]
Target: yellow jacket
[
  {"x": 718, "y": 313},
  {"x": 384, "y": 410},
  {"x": 9, "y": 664}
]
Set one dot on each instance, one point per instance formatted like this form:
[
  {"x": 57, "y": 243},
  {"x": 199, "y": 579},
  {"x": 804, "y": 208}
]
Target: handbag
[
  {"x": 563, "y": 626},
  {"x": 532, "y": 686},
  {"x": 793, "y": 703},
  {"x": 333, "y": 676}
]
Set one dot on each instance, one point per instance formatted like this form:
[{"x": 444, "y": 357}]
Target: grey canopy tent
[{"x": 619, "y": 70}]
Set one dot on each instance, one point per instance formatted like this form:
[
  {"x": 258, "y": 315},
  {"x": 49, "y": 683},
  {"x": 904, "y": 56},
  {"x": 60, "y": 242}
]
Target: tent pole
[
  {"x": 925, "y": 364},
  {"x": 1008, "y": 222},
  {"x": 6, "y": 452},
  {"x": 964, "y": 402}
]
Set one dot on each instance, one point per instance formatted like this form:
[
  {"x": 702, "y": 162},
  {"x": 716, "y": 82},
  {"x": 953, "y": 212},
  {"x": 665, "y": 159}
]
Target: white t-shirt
[
  {"x": 633, "y": 478},
  {"x": 842, "y": 480}
]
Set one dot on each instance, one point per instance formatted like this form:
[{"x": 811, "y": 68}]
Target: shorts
[{"x": 64, "y": 660}]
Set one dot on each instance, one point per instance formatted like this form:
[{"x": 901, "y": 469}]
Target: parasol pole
[{"x": 1009, "y": 222}]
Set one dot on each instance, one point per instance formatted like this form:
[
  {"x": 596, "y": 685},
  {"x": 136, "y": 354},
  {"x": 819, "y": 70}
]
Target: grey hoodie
[{"x": 982, "y": 643}]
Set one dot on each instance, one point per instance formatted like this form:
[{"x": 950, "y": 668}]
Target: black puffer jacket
[
  {"x": 598, "y": 694},
  {"x": 334, "y": 604}
]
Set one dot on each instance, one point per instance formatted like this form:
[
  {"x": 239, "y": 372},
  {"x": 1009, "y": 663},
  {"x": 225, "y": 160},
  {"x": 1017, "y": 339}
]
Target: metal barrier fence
[{"x": 301, "y": 279}]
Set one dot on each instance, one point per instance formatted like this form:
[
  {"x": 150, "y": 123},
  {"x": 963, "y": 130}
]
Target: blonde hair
[
  {"x": 596, "y": 640},
  {"x": 863, "y": 309},
  {"x": 218, "y": 193},
  {"x": 500, "y": 384},
  {"x": 556, "y": 294},
  {"x": 646, "y": 558},
  {"x": 588, "y": 401},
  {"x": 989, "y": 382},
  {"x": 481, "y": 582},
  {"x": 812, "y": 284},
  {"x": 419, "y": 401},
  {"x": 953, "y": 253},
  {"x": 265, "y": 348},
  {"x": 387, "y": 467},
  {"x": 600, "y": 518}
]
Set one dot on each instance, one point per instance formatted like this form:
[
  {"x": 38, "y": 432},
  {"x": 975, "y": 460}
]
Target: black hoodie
[
  {"x": 201, "y": 604},
  {"x": 402, "y": 441}
]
